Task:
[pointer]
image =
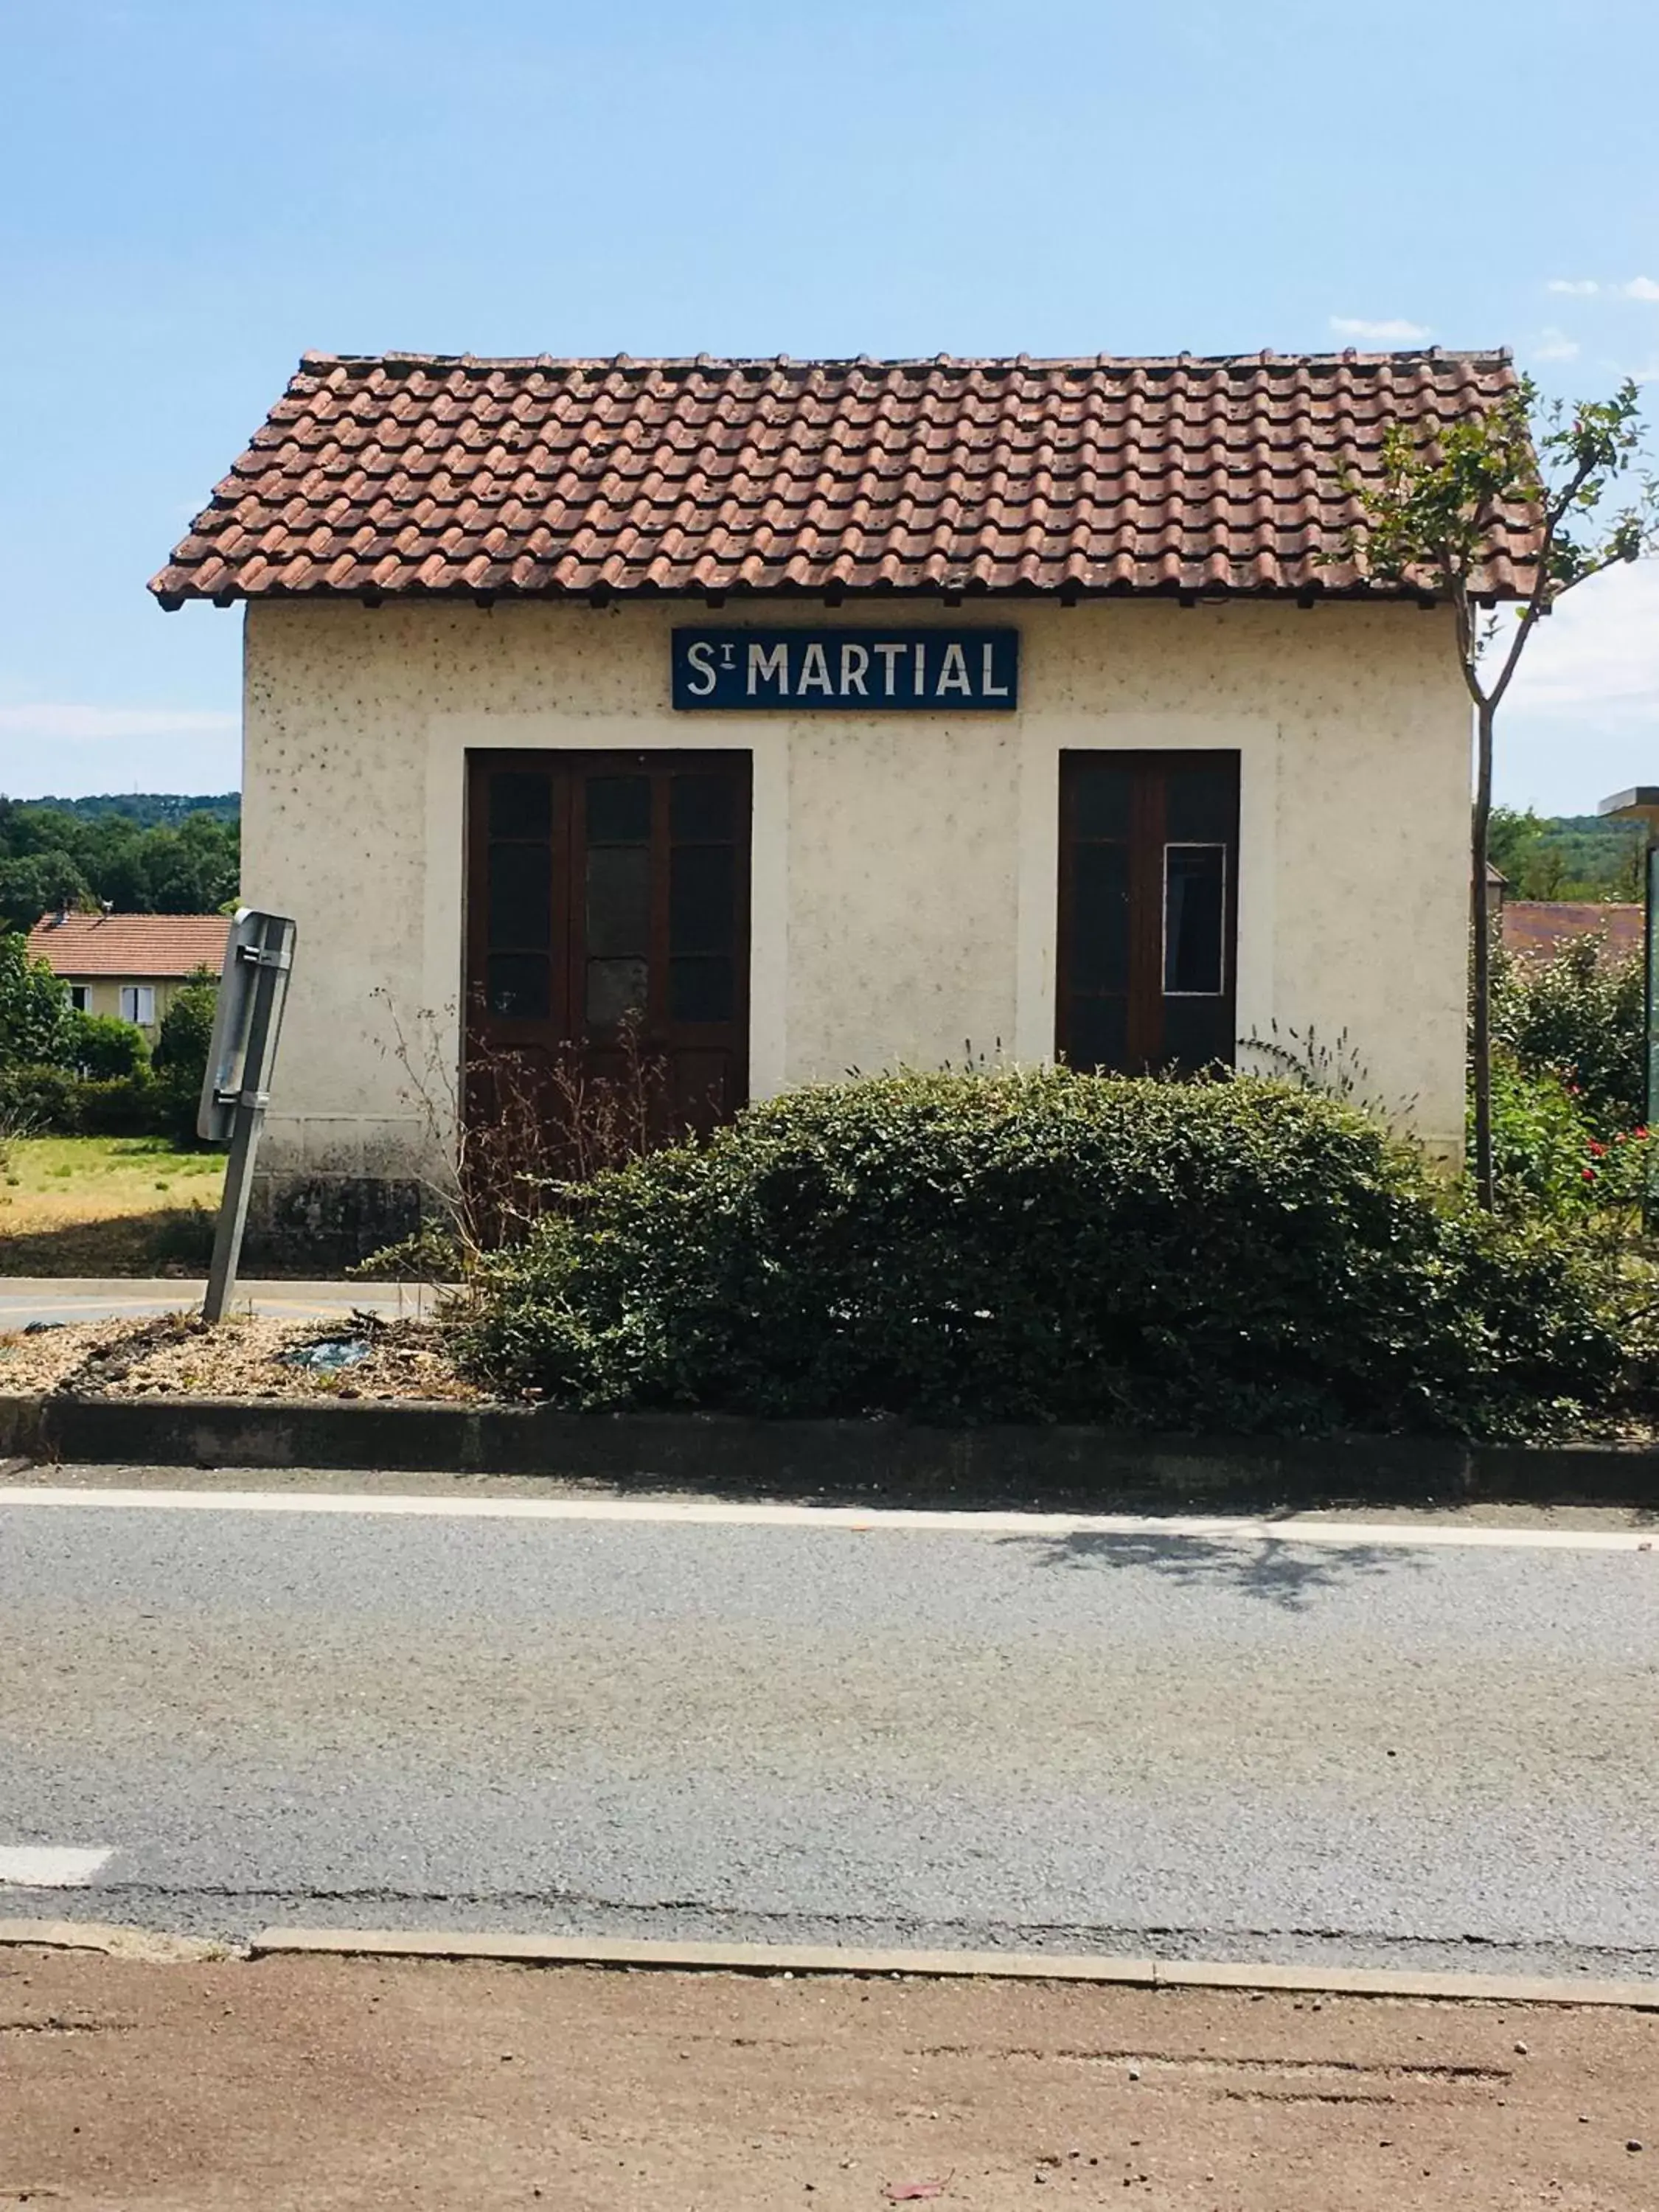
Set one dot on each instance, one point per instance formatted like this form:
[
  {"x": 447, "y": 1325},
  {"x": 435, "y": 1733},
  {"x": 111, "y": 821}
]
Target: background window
[
  {"x": 79, "y": 994},
  {"x": 139, "y": 1003}
]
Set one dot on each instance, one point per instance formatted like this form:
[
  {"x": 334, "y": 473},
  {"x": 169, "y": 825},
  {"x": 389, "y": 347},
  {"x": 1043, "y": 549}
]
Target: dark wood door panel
[
  {"x": 1148, "y": 910},
  {"x": 607, "y": 920}
]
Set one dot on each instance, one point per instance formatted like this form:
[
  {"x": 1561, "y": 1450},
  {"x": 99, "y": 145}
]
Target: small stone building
[{"x": 814, "y": 715}]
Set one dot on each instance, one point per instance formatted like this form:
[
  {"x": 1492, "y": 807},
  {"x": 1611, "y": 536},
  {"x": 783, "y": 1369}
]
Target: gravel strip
[{"x": 178, "y": 1355}]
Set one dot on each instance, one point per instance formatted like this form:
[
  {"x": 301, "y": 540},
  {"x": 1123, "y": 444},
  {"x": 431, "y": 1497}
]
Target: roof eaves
[{"x": 171, "y": 596}]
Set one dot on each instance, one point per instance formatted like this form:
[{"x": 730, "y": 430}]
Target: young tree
[
  {"x": 37, "y": 1021},
  {"x": 182, "y": 1045},
  {"x": 1433, "y": 519}
]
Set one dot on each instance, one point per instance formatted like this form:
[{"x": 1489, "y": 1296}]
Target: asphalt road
[
  {"x": 44, "y": 1300},
  {"x": 1361, "y": 1748}
]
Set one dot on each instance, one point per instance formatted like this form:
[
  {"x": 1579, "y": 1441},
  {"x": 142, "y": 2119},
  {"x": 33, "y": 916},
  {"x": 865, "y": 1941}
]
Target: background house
[{"x": 129, "y": 964}]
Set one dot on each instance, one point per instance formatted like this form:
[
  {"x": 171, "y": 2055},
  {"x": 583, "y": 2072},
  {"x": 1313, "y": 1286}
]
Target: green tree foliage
[
  {"x": 1574, "y": 856},
  {"x": 1046, "y": 1245},
  {"x": 49, "y": 857},
  {"x": 180, "y": 1061},
  {"x": 37, "y": 1021},
  {"x": 35, "y": 884},
  {"x": 105, "y": 1048},
  {"x": 1580, "y": 1021},
  {"x": 1444, "y": 499},
  {"x": 146, "y": 808}
]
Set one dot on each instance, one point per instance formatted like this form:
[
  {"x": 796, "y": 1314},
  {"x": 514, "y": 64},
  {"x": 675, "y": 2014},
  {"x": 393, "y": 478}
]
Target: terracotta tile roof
[
  {"x": 1536, "y": 928},
  {"x": 142, "y": 947},
  {"x": 406, "y": 473}
]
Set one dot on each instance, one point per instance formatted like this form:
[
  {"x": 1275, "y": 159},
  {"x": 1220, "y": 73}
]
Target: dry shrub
[{"x": 515, "y": 1137}]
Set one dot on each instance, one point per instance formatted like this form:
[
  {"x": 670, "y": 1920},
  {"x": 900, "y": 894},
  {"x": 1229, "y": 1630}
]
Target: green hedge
[
  {"x": 38, "y": 1100},
  {"x": 1049, "y": 1246},
  {"x": 125, "y": 1106},
  {"x": 105, "y": 1048},
  {"x": 52, "y": 1102}
]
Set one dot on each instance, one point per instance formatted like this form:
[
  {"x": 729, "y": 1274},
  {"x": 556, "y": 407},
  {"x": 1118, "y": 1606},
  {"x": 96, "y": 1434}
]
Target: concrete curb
[
  {"x": 727, "y": 1455},
  {"x": 142, "y": 1944},
  {"x": 995, "y": 1965},
  {"x": 148, "y": 1947}
]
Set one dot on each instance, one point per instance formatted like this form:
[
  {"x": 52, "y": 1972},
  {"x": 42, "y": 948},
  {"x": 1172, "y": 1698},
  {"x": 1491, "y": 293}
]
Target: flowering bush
[
  {"x": 1545, "y": 1150},
  {"x": 1568, "y": 1082},
  {"x": 1575, "y": 1017},
  {"x": 1616, "y": 1173}
]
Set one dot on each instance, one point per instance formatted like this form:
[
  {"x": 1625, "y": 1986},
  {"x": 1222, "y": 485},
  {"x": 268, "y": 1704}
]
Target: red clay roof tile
[
  {"x": 1536, "y": 929},
  {"x": 139, "y": 947},
  {"x": 422, "y": 473}
]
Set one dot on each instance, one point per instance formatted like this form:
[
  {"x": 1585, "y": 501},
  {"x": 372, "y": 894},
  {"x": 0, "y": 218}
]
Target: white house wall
[{"x": 904, "y": 881}]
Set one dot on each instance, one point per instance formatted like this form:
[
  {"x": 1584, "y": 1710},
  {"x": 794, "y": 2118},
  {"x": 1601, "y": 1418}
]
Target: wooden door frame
[{"x": 566, "y": 999}]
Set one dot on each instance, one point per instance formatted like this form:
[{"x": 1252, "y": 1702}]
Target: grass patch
[{"x": 106, "y": 1206}]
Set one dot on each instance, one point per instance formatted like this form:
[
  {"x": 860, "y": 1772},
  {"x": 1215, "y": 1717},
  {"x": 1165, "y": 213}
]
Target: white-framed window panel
[
  {"x": 139, "y": 1003},
  {"x": 80, "y": 995},
  {"x": 1194, "y": 921}
]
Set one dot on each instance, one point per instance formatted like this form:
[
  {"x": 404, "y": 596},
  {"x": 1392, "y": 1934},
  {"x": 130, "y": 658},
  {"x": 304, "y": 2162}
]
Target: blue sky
[{"x": 192, "y": 192}]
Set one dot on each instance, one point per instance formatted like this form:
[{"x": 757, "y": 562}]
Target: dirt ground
[
  {"x": 328, "y": 2083},
  {"x": 177, "y": 1354}
]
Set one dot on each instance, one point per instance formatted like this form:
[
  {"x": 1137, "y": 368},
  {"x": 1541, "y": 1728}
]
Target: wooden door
[
  {"x": 609, "y": 892},
  {"x": 1148, "y": 910}
]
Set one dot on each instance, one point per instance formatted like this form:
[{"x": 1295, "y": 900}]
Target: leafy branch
[{"x": 1438, "y": 516}]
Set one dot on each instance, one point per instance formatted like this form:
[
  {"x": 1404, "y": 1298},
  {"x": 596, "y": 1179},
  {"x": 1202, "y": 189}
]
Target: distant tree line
[
  {"x": 184, "y": 859},
  {"x": 1568, "y": 856},
  {"x": 148, "y": 809}
]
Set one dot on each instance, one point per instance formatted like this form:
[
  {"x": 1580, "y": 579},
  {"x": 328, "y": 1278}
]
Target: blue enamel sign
[{"x": 856, "y": 672}]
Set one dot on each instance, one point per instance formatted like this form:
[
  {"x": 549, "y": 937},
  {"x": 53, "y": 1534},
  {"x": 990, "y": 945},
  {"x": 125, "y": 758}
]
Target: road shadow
[
  {"x": 146, "y": 1243},
  {"x": 1278, "y": 1571}
]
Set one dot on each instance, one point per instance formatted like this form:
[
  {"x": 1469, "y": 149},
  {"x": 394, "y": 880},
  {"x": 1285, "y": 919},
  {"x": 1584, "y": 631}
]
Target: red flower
[
  {"x": 1595, "y": 1150},
  {"x": 1640, "y": 1135},
  {"x": 1587, "y": 1174}
]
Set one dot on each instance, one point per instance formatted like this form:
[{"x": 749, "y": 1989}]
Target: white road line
[
  {"x": 98, "y": 1306},
  {"x": 708, "y": 1512},
  {"x": 45, "y": 1866},
  {"x": 16, "y": 1310}
]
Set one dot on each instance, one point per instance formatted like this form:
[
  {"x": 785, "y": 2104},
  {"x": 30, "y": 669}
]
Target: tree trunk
[{"x": 1480, "y": 1048}]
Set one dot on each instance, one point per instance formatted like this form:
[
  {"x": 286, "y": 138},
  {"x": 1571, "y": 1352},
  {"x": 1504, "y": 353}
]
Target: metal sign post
[{"x": 236, "y": 1087}]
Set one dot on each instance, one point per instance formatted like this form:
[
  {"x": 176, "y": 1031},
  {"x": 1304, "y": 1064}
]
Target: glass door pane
[
  {"x": 616, "y": 913},
  {"x": 702, "y": 900},
  {"x": 1194, "y": 921},
  {"x": 519, "y": 896}
]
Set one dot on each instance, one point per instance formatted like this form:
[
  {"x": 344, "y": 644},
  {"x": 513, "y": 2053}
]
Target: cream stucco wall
[{"x": 904, "y": 876}]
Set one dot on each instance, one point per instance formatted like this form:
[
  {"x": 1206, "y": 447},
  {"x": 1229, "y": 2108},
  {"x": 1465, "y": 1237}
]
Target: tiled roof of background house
[
  {"x": 409, "y": 473},
  {"x": 144, "y": 947},
  {"x": 1536, "y": 928}
]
